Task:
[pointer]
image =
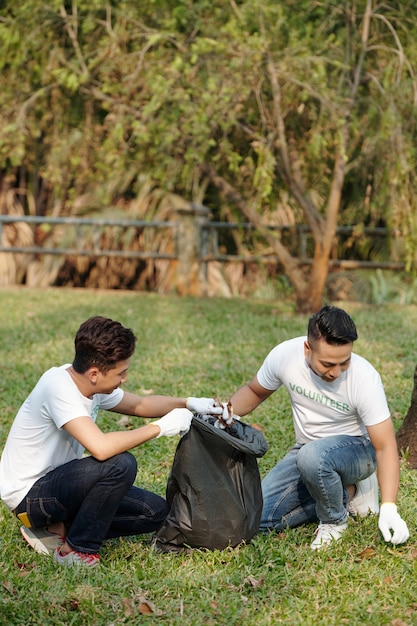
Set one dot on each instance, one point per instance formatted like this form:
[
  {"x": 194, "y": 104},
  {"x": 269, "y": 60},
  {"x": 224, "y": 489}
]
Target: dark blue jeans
[{"x": 96, "y": 500}]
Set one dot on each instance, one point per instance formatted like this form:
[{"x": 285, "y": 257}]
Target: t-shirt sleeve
[
  {"x": 372, "y": 407},
  {"x": 107, "y": 401},
  {"x": 268, "y": 374},
  {"x": 63, "y": 409}
]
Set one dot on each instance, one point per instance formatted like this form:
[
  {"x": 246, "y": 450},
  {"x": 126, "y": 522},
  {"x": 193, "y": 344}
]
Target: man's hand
[
  {"x": 205, "y": 406},
  {"x": 176, "y": 422},
  {"x": 389, "y": 520}
]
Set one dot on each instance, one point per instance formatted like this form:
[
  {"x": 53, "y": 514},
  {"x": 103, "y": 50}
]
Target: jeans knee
[
  {"x": 126, "y": 466},
  {"x": 307, "y": 459}
]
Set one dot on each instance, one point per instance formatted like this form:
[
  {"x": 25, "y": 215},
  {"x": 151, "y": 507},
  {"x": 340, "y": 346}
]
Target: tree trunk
[
  {"x": 310, "y": 300},
  {"x": 407, "y": 433}
]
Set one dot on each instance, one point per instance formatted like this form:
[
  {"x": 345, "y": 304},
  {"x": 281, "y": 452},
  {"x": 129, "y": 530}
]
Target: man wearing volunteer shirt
[{"x": 344, "y": 437}]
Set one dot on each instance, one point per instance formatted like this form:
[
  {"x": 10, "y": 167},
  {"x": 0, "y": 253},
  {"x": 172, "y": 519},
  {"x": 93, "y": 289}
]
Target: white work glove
[
  {"x": 389, "y": 520},
  {"x": 176, "y": 422},
  {"x": 205, "y": 406}
]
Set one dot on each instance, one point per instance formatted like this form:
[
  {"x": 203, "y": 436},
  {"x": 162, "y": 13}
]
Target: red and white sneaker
[{"x": 77, "y": 559}]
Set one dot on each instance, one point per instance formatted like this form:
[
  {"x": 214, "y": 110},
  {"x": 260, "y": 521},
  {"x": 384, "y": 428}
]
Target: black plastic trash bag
[{"x": 214, "y": 488}]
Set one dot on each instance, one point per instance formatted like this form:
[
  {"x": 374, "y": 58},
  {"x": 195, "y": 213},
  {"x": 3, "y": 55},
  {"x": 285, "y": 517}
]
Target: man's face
[
  {"x": 113, "y": 378},
  {"x": 327, "y": 361}
]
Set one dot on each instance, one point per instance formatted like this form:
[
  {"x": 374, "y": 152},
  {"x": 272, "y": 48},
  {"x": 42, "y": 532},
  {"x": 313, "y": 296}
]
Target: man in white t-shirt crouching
[
  {"x": 343, "y": 431},
  {"x": 69, "y": 502}
]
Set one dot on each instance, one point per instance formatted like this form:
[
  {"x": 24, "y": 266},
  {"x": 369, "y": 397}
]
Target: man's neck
[{"x": 82, "y": 382}]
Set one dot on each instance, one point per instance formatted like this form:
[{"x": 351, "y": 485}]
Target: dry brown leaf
[
  {"x": 146, "y": 607},
  {"x": 253, "y": 582},
  {"x": 25, "y": 567},
  {"x": 8, "y": 587},
  {"x": 368, "y": 553},
  {"x": 74, "y": 604},
  {"x": 127, "y": 607},
  {"x": 71, "y": 605}
]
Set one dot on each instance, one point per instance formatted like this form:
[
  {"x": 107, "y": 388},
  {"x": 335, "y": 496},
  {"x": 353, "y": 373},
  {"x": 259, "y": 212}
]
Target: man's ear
[{"x": 92, "y": 374}]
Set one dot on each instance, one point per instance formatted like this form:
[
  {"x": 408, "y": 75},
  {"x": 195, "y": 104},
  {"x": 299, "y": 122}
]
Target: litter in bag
[{"x": 214, "y": 488}]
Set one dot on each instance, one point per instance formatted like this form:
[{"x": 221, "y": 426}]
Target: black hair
[
  {"x": 333, "y": 325},
  {"x": 102, "y": 342}
]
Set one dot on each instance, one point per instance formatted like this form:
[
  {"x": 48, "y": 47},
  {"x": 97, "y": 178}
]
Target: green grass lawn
[{"x": 206, "y": 347}]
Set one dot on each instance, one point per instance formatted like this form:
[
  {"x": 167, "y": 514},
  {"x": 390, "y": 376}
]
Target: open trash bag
[{"x": 214, "y": 488}]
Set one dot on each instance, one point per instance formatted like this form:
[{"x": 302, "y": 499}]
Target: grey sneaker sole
[{"x": 42, "y": 541}]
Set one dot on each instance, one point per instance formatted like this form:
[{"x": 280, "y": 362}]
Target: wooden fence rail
[{"x": 195, "y": 242}]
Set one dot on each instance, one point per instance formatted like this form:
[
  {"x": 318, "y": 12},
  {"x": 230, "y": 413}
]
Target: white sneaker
[
  {"x": 365, "y": 499},
  {"x": 326, "y": 533}
]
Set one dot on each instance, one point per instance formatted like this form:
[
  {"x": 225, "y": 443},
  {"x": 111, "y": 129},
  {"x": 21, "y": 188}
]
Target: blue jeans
[
  {"x": 309, "y": 483},
  {"x": 96, "y": 500}
]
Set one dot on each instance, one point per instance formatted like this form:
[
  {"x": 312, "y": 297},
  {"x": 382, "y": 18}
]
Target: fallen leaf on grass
[
  {"x": 8, "y": 587},
  {"x": 24, "y": 568},
  {"x": 253, "y": 582},
  {"x": 72, "y": 604},
  {"x": 214, "y": 605},
  {"x": 146, "y": 607},
  {"x": 368, "y": 553},
  {"x": 148, "y": 392},
  {"x": 128, "y": 608}
]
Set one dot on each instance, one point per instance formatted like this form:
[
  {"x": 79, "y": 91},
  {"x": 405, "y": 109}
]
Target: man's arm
[
  {"x": 105, "y": 445},
  {"x": 248, "y": 397},
  {"x": 147, "y": 406},
  {"x": 388, "y": 467},
  {"x": 391, "y": 525}
]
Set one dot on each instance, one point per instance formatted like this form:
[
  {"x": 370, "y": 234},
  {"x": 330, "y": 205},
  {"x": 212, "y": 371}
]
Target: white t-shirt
[
  {"x": 37, "y": 443},
  {"x": 345, "y": 406}
]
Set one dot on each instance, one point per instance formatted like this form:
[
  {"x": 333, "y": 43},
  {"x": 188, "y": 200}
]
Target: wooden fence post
[{"x": 192, "y": 246}]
